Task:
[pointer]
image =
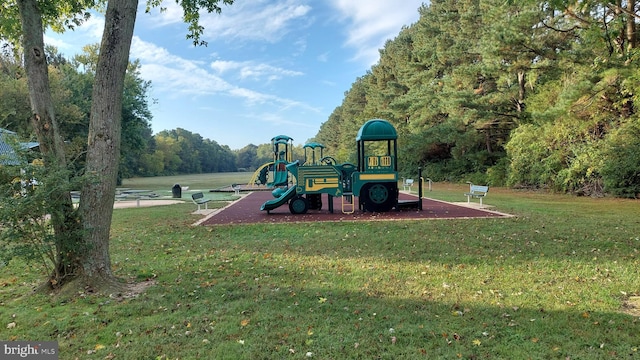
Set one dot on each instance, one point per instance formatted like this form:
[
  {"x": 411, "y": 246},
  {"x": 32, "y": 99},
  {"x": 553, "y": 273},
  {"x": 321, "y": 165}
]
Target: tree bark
[
  {"x": 631, "y": 25},
  {"x": 51, "y": 144},
  {"x": 522, "y": 88},
  {"x": 98, "y": 194}
]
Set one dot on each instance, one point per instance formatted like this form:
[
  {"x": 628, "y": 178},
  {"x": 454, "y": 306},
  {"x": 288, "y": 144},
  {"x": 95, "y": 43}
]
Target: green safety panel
[{"x": 377, "y": 129}]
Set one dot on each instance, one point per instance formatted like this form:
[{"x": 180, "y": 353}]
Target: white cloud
[
  {"x": 263, "y": 20},
  {"x": 324, "y": 57},
  {"x": 369, "y": 22},
  {"x": 256, "y": 20},
  {"x": 168, "y": 13},
  {"x": 152, "y": 53},
  {"x": 71, "y": 41},
  {"x": 222, "y": 66},
  {"x": 252, "y": 70},
  {"x": 177, "y": 75},
  {"x": 373, "y": 22},
  {"x": 261, "y": 71},
  {"x": 279, "y": 120},
  {"x": 170, "y": 72}
]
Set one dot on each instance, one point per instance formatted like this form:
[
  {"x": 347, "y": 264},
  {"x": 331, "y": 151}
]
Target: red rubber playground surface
[{"x": 247, "y": 211}]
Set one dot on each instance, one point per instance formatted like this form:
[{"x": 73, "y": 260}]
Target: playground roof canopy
[
  {"x": 284, "y": 138},
  {"x": 377, "y": 129},
  {"x": 313, "y": 145},
  {"x": 8, "y": 154}
]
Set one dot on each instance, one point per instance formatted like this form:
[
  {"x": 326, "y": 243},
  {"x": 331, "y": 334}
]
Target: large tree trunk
[
  {"x": 96, "y": 204},
  {"x": 51, "y": 144}
]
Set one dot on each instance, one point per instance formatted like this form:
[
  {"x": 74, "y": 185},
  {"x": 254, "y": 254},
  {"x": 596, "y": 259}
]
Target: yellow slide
[{"x": 254, "y": 179}]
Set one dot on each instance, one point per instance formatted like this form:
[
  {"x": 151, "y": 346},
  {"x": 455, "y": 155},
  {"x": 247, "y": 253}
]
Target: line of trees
[{"x": 539, "y": 94}]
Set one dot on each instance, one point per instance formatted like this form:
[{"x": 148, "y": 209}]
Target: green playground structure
[
  {"x": 282, "y": 155},
  {"x": 373, "y": 180}
]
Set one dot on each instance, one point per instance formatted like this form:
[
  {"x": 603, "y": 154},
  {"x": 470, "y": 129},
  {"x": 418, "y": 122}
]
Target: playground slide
[
  {"x": 283, "y": 199},
  {"x": 260, "y": 176},
  {"x": 281, "y": 178}
]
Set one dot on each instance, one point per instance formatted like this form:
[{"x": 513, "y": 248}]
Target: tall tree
[
  {"x": 103, "y": 144},
  {"x": 84, "y": 255},
  {"x": 51, "y": 145}
]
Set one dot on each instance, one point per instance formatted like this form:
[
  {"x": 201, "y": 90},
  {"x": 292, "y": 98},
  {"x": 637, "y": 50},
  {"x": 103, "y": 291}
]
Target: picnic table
[{"x": 133, "y": 194}]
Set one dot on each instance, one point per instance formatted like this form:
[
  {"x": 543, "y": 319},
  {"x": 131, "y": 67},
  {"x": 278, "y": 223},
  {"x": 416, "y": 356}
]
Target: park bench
[
  {"x": 407, "y": 184},
  {"x": 198, "y": 199},
  {"x": 476, "y": 191}
]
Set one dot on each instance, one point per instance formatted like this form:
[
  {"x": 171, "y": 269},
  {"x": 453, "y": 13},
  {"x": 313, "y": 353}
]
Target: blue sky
[{"x": 271, "y": 67}]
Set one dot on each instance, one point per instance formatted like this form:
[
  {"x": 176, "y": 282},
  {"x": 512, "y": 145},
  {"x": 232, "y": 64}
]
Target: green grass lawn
[
  {"x": 202, "y": 182},
  {"x": 162, "y": 185},
  {"x": 551, "y": 283}
]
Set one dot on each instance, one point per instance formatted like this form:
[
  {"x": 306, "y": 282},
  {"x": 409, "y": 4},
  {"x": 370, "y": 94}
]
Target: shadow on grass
[{"x": 234, "y": 314}]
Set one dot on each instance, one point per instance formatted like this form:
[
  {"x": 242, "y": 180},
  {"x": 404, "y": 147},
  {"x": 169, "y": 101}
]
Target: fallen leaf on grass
[
  {"x": 245, "y": 322},
  {"x": 477, "y": 342}
]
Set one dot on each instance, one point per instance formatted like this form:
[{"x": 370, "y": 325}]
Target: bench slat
[{"x": 479, "y": 188}]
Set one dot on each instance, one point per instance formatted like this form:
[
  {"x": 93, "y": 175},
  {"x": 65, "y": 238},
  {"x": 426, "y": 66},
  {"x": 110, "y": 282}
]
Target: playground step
[{"x": 348, "y": 205}]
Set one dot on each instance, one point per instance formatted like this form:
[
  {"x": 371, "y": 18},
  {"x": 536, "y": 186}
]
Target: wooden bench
[
  {"x": 476, "y": 191},
  {"x": 198, "y": 199}
]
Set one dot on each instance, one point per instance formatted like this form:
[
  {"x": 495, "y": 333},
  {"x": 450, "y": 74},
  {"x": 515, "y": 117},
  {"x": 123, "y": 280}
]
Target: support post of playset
[{"x": 420, "y": 188}]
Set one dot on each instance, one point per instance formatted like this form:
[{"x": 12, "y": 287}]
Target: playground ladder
[{"x": 348, "y": 205}]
